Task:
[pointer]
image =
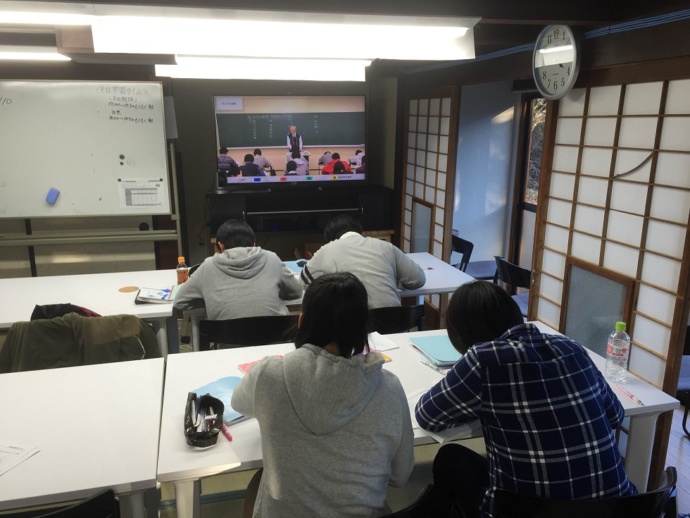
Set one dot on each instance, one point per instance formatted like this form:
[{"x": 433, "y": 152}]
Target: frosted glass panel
[
  {"x": 673, "y": 169},
  {"x": 438, "y": 250},
  {"x": 637, "y": 132},
  {"x": 409, "y": 186},
  {"x": 434, "y": 106},
  {"x": 445, "y": 106},
  {"x": 408, "y": 201},
  {"x": 550, "y": 287},
  {"x": 421, "y": 223},
  {"x": 559, "y": 212},
  {"x": 556, "y": 238},
  {"x": 411, "y": 154},
  {"x": 423, "y": 106},
  {"x": 410, "y": 172},
  {"x": 656, "y": 303},
  {"x": 438, "y": 232},
  {"x": 431, "y": 159},
  {"x": 674, "y": 134},
  {"x": 647, "y": 366},
  {"x": 441, "y": 198},
  {"x": 678, "y": 97},
  {"x": 408, "y": 231},
  {"x": 573, "y": 103},
  {"x": 562, "y": 185},
  {"x": 604, "y": 100},
  {"x": 408, "y": 217},
  {"x": 625, "y": 228},
  {"x": 565, "y": 158},
  {"x": 421, "y": 141},
  {"x": 621, "y": 259},
  {"x": 592, "y": 190},
  {"x": 422, "y": 124},
  {"x": 442, "y": 181},
  {"x": 433, "y": 125},
  {"x": 431, "y": 177},
  {"x": 589, "y": 219},
  {"x": 671, "y": 204},
  {"x": 585, "y": 247},
  {"x": 553, "y": 263},
  {"x": 568, "y": 131},
  {"x": 594, "y": 305},
  {"x": 549, "y": 313},
  {"x": 443, "y": 145},
  {"x": 432, "y": 145},
  {"x": 419, "y": 174},
  {"x": 407, "y": 247},
  {"x": 629, "y": 197},
  {"x": 421, "y": 155},
  {"x": 413, "y": 106},
  {"x": 443, "y": 160},
  {"x": 666, "y": 238},
  {"x": 596, "y": 161},
  {"x": 652, "y": 335},
  {"x": 641, "y": 99},
  {"x": 445, "y": 125},
  {"x": 438, "y": 216},
  {"x": 429, "y": 195},
  {"x": 600, "y": 132},
  {"x": 419, "y": 190},
  {"x": 661, "y": 271},
  {"x": 636, "y": 165}
]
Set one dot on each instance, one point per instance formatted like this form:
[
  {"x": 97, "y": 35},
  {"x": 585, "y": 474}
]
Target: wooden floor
[{"x": 679, "y": 456}]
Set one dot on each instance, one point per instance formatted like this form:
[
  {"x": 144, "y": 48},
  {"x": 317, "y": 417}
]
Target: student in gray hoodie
[
  {"x": 241, "y": 281},
  {"x": 335, "y": 427}
]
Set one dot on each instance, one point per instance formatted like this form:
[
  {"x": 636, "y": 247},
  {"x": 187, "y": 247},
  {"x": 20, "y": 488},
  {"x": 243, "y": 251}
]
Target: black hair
[
  {"x": 334, "y": 310},
  {"x": 358, "y": 152},
  {"x": 223, "y": 150},
  {"x": 295, "y": 154},
  {"x": 291, "y": 166},
  {"x": 339, "y": 225},
  {"x": 234, "y": 233},
  {"x": 248, "y": 158},
  {"x": 364, "y": 159},
  {"x": 335, "y": 156},
  {"x": 339, "y": 167},
  {"x": 257, "y": 151},
  {"x": 480, "y": 311}
]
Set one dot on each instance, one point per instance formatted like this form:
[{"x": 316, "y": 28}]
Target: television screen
[{"x": 282, "y": 139}]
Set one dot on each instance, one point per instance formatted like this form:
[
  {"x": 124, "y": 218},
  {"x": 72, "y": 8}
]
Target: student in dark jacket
[{"x": 250, "y": 168}]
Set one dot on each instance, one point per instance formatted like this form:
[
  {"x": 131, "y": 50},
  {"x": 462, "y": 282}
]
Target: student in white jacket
[{"x": 335, "y": 427}]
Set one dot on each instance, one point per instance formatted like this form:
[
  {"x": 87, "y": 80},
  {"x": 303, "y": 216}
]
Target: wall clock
[{"x": 556, "y": 61}]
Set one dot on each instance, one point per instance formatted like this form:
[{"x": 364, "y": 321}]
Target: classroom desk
[
  {"x": 440, "y": 278},
  {"x": 96, "y": 427},
  {"x": 95, "y": 291}
]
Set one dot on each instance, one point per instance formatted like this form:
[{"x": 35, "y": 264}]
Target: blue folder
[{"x": 437, "y": 349}]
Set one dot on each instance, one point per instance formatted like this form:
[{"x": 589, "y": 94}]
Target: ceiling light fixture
[{"x": 27, "y": 53}]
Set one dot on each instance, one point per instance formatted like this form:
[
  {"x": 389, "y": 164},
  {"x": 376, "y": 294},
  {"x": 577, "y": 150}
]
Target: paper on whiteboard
[
  {"x": 141, "y": 193},
  {"x": 12, "y": 454}
]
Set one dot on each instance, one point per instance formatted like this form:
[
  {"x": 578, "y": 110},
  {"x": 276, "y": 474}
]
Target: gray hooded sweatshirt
[
  {"x": 241, "y": 282},
  {"x": 334, "y": 432}
]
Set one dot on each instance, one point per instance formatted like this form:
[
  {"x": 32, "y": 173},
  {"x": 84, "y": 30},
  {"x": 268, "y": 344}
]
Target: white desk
[
  {"x": 95, "y": 291},
  {"x": 96, "y": 427},
  {"x": 440, "y": 278}
]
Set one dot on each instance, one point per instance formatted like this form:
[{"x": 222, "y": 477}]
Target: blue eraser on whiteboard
[{"x": 52, "y": 197}]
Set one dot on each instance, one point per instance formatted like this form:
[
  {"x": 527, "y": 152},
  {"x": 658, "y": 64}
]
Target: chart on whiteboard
[{"x": 141, "y": 192}]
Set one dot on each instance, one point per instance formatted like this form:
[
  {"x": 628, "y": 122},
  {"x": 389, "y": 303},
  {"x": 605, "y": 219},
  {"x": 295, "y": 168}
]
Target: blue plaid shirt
[{"x": 547, "y": 414}]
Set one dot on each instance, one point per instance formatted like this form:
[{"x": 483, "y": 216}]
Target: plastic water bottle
[
  {"x": 617, "y": 351},
  {"x": 182, "y": 270}
]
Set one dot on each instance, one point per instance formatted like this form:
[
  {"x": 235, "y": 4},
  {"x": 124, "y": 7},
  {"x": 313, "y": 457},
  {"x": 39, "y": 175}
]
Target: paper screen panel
[
  {"x": 443, "y": 146},
  {"x": 565, "y": 158},
  {"x": 573, "y": 104},
  {"x": 431, "y": 177},
  {"x": 419, "y": 190},
  {"x": 419, "y": 174},
  {"x": 652, "y": 335},
  {"x": 421, "y": 155},
  {"x": 435, "y": 106},
  {"x": 678, "y": 97},
  {"x": 438, "y": 249},
  {"x": 600, "y": 132},
  {"x": 568, "y": 131},
  {"x": 673, "y": 169},
  {"x": 411, "y": 154},
  {"x": 551, "y": 288},
  {"x": 661, "y": 271},
  {"x": 586, "y": 247},
  {"x": 409, "y": 186},
  {"x": 429, "y": 195},
  {"x": 604, "y": 100},
  {"x": 445, "y": 126},
  {"x": 624, "y": 227},
  {"x": 559, "y": 212},
  {"x": 445, "y": 106},
  {"x": 642, "y": 99},
  {"x": 647, "y": 366},
  {"x": 433, "y": 125},
  {"x": 562, "y": 185},
  {"x": 413, "y": 106},
  {"x": 620, "y": 258},
  {"x": 408, "y": 202},
  {"x": 440, "y": 198},
  {"x": 432, "y": 143},
  {"x": 637, "y": 132},
  {"x": 592, "y": 191},
  {"x": 441, "y": 181},
  {"x": 629, "y": 197},
  {"x": 410, "y": 171},
  {"x": 431, "y": 159},
  {"x": 656, "y": 303},
  {"x": 438, "y": 233},
  {"x": 421, "y": 140},
  {"x": 412, "y": 122},
  {"x": 636, "y": 165},
  {"x": 422, "y": 124},
  {"x": 553, "y": 263},
  {"x": 438, "y": 216},
  {"x": 556, "y": 238},
  {"x": 549, "y": 313},
  {"x": 589, "y": 219},
  {"x": 670, "y": 204},
  {"x": 674, "y": 134},
  {"x": 666, "y": 238},
  {"x": 596, "y": 161},
  {"x": 408, "y": 217}
]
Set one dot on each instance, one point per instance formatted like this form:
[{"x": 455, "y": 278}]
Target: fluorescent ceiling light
[
  {"x": 17, "y": 52},
  {"x": 200, "y": 67},
  {"x": 42, "y": 13}
]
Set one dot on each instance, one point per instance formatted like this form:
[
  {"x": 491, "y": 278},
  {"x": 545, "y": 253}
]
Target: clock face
[{"x": 556, "y": 61}]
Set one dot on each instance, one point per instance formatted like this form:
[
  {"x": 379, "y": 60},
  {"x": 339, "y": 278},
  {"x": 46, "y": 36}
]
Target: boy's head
[
  {"x": 339, "y": 225},
  {"x": 234, "y": 233}
]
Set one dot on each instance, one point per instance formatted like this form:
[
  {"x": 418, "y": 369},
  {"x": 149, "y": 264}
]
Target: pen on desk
[
  {"x": 226, "y": 432},
  {"x": 624, "y": 391}
]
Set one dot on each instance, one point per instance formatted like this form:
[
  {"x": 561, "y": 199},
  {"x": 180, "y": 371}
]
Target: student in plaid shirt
[{"x": 547, "y": 414}]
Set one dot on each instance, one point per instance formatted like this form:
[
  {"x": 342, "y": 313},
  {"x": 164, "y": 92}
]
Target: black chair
[
  {"x": 242, "y": 332},
  {"x": 420, "y": 508},
  {"x": 102, "y": 505},
  {"x": 683, "y": 393},
  {"x": 516, "y": 277},
  {"x": 464, "y": 247},
  {"x": 654, "y": 504},
  {"x": 396, "y": 319},
  {"x": 478, "y": 269}
]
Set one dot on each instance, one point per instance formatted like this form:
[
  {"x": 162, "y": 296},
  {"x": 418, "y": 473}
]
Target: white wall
[{"x": 485, "y": 167}]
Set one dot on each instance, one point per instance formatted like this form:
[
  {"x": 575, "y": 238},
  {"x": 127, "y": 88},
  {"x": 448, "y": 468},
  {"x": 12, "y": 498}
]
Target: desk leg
[
  {"x": 132, "y": 505},
  {"x": 195, "y": 331},
  {"x": 638, "y": 454},
  {"x": 159, "y": 326},
  {"x": 187, "y": 498}
]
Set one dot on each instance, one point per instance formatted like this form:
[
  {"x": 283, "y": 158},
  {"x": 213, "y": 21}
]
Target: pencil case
[{"x": 203, "y": 419}]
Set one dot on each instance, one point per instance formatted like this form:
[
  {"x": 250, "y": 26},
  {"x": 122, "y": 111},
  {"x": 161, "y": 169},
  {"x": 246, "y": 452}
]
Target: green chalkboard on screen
[{"x": 270, "y": 129}]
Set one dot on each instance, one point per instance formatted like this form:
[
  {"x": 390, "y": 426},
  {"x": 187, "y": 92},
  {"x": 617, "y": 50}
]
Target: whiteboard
[{"x": 71, "y": 148}]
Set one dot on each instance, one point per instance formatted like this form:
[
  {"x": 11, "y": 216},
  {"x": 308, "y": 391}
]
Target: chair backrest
[
  {"x": 464, "y": 247},
  {"x": 653, "y": 504},
  {"x": 420, "y": 508},
  {"x": 512, "y": 274},
  {"x": 102, "y": 505},
  {"x": 396, "y": 319},
  {"x": 241, "y": 332}
]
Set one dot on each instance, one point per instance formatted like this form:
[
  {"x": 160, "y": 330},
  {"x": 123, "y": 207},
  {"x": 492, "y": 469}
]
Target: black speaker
[{"x": 377, "y": 209}]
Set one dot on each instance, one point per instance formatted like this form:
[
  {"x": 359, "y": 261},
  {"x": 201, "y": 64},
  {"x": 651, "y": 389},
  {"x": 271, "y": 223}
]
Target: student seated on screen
[
  {"x": 243, "y": 280},
  {"x": 328, "y": 168},
  {"x": 335, "y": 426},
  {"x": 548, "y": 415},
  {"x": 325, "y": 158},
  {"x": 291, "y": 168},
  {"x": 260, "y": 160},
  {"x": 250, "y": 168},
  {"x": 380, "y": 266},
  {"x": 362, "y": 168},
  {"x": 302, "y": 164},
  {"x": 225, "y": 161}
]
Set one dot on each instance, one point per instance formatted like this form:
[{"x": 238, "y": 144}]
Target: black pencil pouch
[{"x": 203, "y": 419}]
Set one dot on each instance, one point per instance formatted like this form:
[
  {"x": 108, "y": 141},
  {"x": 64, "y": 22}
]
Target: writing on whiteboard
[
  {"x": 122, "y": 90},
  {"x": 5, "y": 100},
  {"x": 229, "y": 103}
]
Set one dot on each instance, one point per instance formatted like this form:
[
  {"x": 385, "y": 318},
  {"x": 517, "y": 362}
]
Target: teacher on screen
[{"x": 294, "y": 140}]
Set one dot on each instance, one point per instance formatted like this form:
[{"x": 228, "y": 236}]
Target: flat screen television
[{"x": 265, "y": 141}]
